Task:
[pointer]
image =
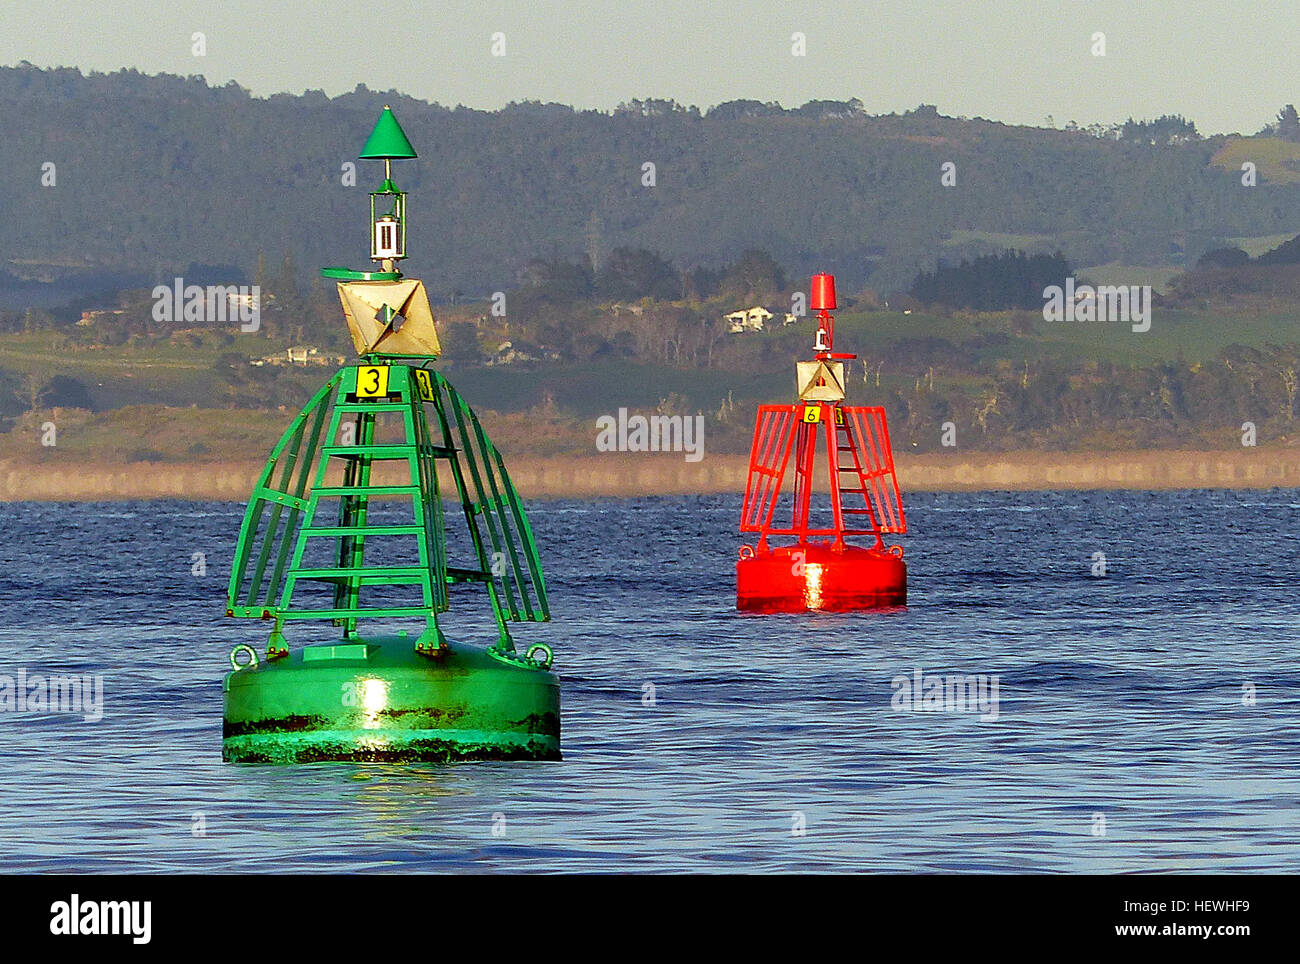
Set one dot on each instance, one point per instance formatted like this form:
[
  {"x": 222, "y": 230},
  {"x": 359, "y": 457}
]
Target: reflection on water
[{"x": 762, "y": 742}]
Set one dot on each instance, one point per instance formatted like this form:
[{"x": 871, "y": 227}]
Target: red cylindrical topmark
[{"x": 823, "y": 292}]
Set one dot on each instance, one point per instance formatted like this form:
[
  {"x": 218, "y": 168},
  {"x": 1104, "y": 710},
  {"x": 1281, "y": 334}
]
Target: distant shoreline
[{"x": 625, "y": 475}]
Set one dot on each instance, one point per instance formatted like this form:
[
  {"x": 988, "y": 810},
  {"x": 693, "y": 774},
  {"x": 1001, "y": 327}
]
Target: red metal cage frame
[{"x": 859, "y": 433}]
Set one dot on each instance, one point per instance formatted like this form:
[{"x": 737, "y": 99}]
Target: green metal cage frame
[{"x": 284, "y": 511}]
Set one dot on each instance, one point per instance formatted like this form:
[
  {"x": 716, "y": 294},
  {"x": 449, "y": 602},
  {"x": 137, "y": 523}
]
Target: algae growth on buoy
[{"x": 346, "y": 524}]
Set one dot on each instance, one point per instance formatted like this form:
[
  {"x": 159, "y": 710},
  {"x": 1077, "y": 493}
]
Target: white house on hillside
[{"x": 748, "y": 319}]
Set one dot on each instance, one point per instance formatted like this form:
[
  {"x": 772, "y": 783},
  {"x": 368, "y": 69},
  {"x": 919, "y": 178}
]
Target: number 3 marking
[
  {"x": 425, "y": 383},
  {"x": 372, "y": 381}
]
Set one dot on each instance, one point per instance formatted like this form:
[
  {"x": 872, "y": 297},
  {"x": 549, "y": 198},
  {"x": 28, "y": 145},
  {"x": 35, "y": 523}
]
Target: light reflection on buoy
[
  {"x": 374, "y": 699},
  {"x": 812, "y": 585}
]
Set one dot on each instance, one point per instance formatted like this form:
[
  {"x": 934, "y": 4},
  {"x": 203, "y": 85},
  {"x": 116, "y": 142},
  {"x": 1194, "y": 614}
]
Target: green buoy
[{"x": 346, "y": 523}]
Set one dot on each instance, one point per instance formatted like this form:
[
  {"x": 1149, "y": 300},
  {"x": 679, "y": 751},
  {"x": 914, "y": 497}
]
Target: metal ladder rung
[
  {"x": 282, "y": 498},
  {"x": 856, "y": 470},
  {"x": 389, "y": 576},
  {"x": 456, "y": 574},
  {"x": 348, "y": 613},
  {"x": 411, "y": 530},
  {"x": 396, "y": 451},
  {"x": 373, "y": 451},
  {"x": 330, "y": 491},
  {"x": 371, "y": 407}
]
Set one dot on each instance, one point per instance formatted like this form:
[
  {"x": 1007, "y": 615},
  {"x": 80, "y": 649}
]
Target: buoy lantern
[
  {"x": 346, "y": 524},
  {"x": 814, "y": 567},
  {"x": 822, "y": 293}
]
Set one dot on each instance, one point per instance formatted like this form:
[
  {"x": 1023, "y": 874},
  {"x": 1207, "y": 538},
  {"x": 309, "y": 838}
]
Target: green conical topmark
[{"x": 387, "y": 140}]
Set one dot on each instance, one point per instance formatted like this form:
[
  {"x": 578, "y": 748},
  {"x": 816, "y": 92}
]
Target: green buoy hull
[{"x": 377, "y": 699}]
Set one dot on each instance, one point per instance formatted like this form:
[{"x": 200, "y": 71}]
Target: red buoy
[{"x": 814, "y": 567}]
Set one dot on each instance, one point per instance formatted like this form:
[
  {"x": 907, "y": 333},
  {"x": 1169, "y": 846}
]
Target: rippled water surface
[{"x": 1122, "y": 742}]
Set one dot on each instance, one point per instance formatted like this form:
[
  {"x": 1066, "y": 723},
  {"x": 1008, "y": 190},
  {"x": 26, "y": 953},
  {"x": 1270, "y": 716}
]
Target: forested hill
[{"x": 156, "y": 173}]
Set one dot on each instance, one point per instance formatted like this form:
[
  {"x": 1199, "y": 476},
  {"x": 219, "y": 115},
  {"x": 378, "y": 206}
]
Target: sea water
[{"x": 1143, "y": 645}]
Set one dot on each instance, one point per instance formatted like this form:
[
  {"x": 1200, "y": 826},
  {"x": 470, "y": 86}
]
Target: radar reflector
[{"x": 390, "y": 318}]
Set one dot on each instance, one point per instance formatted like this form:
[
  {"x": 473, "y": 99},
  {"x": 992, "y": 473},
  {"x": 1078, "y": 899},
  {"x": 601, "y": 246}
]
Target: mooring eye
[
  {"x": 250, "y": 662},
  {"x": 544, "y": 659}
]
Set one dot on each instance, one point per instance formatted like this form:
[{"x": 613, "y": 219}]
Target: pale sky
[{"x": 1228, "y": 66}]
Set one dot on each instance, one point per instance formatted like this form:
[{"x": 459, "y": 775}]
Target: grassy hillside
[
  {"x": 172, "y": 400},
  {"x": 1276, "y": 161},
  {"x": 166, "y": 372}
]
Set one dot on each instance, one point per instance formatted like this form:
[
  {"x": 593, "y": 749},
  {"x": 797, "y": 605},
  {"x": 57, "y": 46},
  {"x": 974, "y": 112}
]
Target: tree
[
  {"x": 1223, "y": 258},
  {"x": 1288, "y": 124},
  {"x": 993, "y": 282},
  {"x": 737, "y": 109},
  {"x": 831, "y": 109},
  {"x": 37, "y": 319},
  {"x": 33, "y": 391},
  {"x": 755, "y": 277},
  {"x": 64, "y": 391},
  {"x": 556, "y": 281},
  {"x": 1166, "y": 129},
  {"x": 633, "y": 273},
  {"x": 460, "y": 344}
]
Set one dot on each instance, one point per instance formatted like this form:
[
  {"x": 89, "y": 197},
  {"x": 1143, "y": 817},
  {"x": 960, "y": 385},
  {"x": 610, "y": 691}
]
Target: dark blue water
[{"x": 1122, "y": 741}]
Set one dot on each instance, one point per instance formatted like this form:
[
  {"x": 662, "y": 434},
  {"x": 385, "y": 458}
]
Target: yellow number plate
[
  {"x": 812, "y": 413},
  {"x": 372, "y": 381},
  {"x": 425, "y": 381}
]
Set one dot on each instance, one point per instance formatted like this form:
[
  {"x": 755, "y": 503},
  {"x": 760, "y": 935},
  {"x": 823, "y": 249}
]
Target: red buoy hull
[{"x": 820, "y": 577}]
